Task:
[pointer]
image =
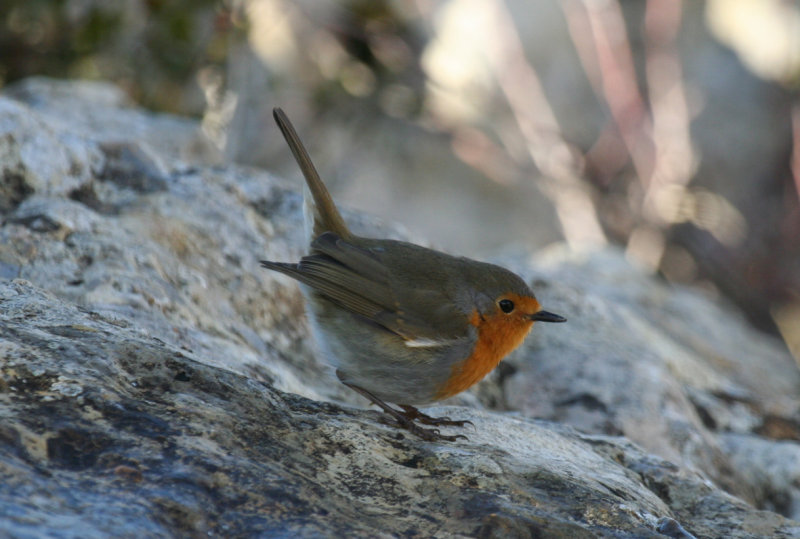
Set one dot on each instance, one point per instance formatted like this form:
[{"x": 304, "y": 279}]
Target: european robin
[{"x": 399, "y": 322}]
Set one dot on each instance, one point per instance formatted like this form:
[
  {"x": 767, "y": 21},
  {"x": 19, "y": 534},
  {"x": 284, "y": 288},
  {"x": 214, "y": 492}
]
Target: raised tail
[{"x": 325, "y": 215}]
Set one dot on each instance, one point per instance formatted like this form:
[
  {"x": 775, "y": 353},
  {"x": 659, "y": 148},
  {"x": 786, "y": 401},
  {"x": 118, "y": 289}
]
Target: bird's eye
[{"x": 506, "y": 305}]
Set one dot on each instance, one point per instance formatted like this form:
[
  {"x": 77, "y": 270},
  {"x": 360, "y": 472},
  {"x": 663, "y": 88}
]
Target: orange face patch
[{"x": 499, "y": 333}]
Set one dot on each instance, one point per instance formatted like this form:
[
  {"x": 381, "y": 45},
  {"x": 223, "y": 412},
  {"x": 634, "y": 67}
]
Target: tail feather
[
  {"x": 287, "y": 268},
  {"x": 278, "y": 266},
  {"x": 326, "y": 217}
]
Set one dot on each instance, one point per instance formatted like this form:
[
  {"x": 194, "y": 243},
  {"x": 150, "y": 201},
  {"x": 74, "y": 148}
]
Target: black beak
[{"x": 544, "y": 316}]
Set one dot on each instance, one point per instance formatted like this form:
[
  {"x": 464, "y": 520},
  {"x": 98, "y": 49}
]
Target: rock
[
  {"x": 661, "y": 365},
  {"x": 115, "y": 432},
  {"x": 771, "y": 468},
  {"x": 103, "y": 113},
  {"x": 154, "y": 381}
]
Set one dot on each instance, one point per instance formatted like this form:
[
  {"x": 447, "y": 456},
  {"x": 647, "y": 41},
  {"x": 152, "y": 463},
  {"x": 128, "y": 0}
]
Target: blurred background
[{"x": 668, "y": 128}]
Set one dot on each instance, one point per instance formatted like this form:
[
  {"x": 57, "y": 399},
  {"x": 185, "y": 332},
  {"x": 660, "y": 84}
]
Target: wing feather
[
  {"x": 328, "y": 288},
  {"x": 360, "y": 279}
]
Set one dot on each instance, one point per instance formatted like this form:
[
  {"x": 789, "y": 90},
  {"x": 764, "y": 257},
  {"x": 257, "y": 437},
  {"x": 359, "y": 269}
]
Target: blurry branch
[
  {"x": 654, "y": 129},
  {"x": 538, "y": 125},
  {"x": 598, "y": 32},
  {"x": 600, "y": 37},
  {"x": 668, "y": 200},
  {"x": 787, "y": 313},
  {"x": 795, "y": 165},
  {"x": 673, "y": 154},
  {"x": 672, "y": 157}
]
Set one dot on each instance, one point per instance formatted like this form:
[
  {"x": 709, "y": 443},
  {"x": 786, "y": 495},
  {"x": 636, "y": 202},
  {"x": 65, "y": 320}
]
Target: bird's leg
[
  {"x": 403, "y": 420},
  {"x": 414, "y": 414}
]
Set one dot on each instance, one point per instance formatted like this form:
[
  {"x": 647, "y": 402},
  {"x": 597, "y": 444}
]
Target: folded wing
[{"x": 358, "y": 279}]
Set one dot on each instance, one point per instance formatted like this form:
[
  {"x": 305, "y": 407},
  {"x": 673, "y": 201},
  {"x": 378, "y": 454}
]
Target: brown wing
[{"x": 358, "y": 278}]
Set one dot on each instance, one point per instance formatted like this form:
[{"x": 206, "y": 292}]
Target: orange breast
[{"x": 498, "y": 335}]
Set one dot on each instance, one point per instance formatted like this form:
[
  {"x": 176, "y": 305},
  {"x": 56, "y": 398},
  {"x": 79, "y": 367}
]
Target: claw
[
  {"x": 410, "y": 415},
  {"x": 414, "y": 414}
]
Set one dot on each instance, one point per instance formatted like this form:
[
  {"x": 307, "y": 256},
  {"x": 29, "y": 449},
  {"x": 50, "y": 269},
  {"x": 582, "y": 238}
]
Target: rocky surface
[{"x": 154, "y": 381}]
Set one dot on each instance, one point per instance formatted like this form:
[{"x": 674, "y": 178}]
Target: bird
[{"x": 401, "y": 323}]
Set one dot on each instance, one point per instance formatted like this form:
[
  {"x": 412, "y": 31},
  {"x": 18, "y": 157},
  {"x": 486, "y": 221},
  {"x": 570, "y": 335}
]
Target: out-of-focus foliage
[{"x": 152, "y": 48}]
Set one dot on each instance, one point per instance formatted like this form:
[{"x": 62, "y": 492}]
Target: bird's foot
[
  {"x": 409, "y": 416},
  {"x": 414, "y": 414},
  {"x": 429, "y": 435}
]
